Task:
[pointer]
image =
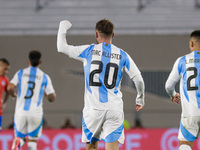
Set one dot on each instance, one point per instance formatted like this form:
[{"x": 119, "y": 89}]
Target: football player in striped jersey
[
  {"x": 32, "y": 85},
  {"x": 104, "y": 64},
  {"x": 187, "y": 69}
]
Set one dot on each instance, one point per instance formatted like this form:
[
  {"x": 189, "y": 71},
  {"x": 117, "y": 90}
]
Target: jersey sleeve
[
  {"x": 49, "y": 88},
  {"x": 131, "y": 68},
  {"x": 15, "y": 79},
  {"x": 140, "y": 87},
  {"x": 175, "y": 73},
  {"x": 64, "y": 47},
  {"x": 134, "y": 73},
  {"x": 79, "y": 52},
  {"x": 173, "y": 78}
]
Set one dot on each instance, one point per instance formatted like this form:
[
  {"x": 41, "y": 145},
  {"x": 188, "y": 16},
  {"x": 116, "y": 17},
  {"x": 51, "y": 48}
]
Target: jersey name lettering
[
  {"x": 196, "y": 60},
  {"x": 32, "y": 76},
  {"x": 106, "y": 54}
]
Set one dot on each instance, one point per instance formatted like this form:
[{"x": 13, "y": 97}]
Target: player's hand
[
  {"x": 14, "y": 96},
  {"x": 176, "y": 98},
  {"x": 45, "y": 95},
  {"x": 65, "y": 24},
  {"x": 138, "y": 107}
]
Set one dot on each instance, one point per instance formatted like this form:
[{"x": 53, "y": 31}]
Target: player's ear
[
  {"x": 97, "y": 35},
  {"x": 113, "y": 34},
  {"x": 40, "y": 61},
  {"x": 191, "y": 44},
  {"x": 29, "y": 63}
]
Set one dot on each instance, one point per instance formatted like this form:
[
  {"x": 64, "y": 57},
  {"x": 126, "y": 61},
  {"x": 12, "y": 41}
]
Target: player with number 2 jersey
[{"x": 187, "y": 70}]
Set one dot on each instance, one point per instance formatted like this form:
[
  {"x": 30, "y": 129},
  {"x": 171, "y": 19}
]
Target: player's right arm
[
  {"x": 11, "y": 86},
  {"x": 11, "y": 90},
  {"x": 135, "y": 75},
  {"x": 62, "y": 45},
  {"x": 172, "y": 80}
]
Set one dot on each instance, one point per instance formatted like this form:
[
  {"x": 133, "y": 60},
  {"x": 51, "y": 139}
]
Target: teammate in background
[
  {"x": 104, "y": 63},
  {"x": 187, "y": 70},
  {"x": 4, "y": 81},
  {"x": 32, "y": 84}
]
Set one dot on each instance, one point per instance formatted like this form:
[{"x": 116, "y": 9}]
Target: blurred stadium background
[{"x": 153, "y": 32}]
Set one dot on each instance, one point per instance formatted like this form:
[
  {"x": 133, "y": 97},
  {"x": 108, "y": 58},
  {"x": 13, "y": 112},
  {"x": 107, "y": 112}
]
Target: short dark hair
[
  {"x": 4, "y": 61},
  {"x": 105, "y": 26},
  {"x": 195, "y": 33},
  {"x": 34, "y": 57}
]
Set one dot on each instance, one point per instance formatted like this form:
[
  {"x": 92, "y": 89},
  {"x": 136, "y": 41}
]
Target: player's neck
[
  {"x": 108, "y": 41},
  {"x": 195, "y": 49},
  {"x": 35, "y": 66}
]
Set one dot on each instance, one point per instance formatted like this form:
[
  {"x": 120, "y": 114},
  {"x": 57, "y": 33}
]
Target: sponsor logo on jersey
[{"x": 3, "y": 83}]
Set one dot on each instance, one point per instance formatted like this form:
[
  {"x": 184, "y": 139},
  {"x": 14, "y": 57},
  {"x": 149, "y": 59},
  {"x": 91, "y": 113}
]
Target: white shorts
[
  {"x": 189, "y": 128},
  {"x": 30, "y": 126},
  {"x": 106, "y": 125}
]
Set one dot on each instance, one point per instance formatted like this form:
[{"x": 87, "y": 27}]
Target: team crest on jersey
[{"x": 3, "y": 83}]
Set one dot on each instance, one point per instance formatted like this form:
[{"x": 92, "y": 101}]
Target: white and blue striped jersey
[
  {"x": 32, "y": 83},
  {"x": 103, "y": 68},
  {"x": 187, "y": 70}
]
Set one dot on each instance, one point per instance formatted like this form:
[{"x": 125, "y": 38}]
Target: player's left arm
[
  {"x": 49, "y": 91},
  {"x": 140, "y": 87},
  {"x": 134, "y": 73},
  {"x": 51, "y": 97}
]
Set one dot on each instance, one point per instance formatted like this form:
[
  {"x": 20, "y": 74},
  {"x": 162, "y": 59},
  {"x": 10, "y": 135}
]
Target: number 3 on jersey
[
  {"x": 29, "y": 93},
  {"x": 106, "y": 75}
]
